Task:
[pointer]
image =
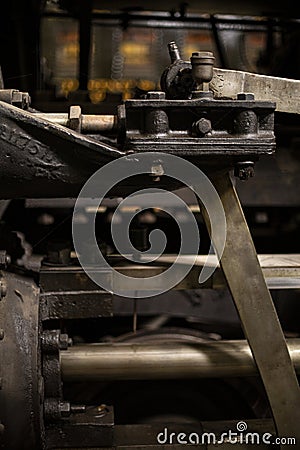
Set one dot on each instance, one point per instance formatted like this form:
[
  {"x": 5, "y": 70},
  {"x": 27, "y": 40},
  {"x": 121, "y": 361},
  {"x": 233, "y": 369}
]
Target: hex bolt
[
  {"x": 3, "y": 289},
  {"x": 75, "y": 118},
  {"x": 157, "y": 171},
  {"x": 244, "y": 170},
  {"x": 5, "y": 259},
  {"x": 59, "y": 252},
  {"x": 1, "y": 334},
  {"x": 202, "y": 126},
  {"x": 156, "y": 95},
  {"x": 63, "y": 341},
  {"x": 65, "y": 409},
  {"x": 26, "y": 100},
  {"x": 20, "y": 99},
  {"x": 245, "y": 96}
]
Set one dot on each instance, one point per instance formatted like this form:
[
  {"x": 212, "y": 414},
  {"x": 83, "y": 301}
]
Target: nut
[
  {"x": 202, "y": 126},
  {"x": 59, "y": 252},
  {"x": 65, "y": 409},
  {"x": 244, "y": 171},
  {"x": 75, "y": 118},
  {"x": 20, "y": 99},
  {"x": 157, "y": 170},
  {"x": 5, "y": 259},
  {"x": 63, "y": 341},
  {"x": 156, "y": 95},
  {"x": 245, "y": 96}
]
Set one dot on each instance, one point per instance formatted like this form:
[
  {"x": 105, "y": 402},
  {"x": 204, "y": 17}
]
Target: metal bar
[
  {"x": 91, "y": 123},
  {"x": 227, "y": 83},
  {"x": 216, "y": 359},
  {"x": 280, "y": 271},
  {"x": 257, "y": 313},
  {"x": 219, "y": 43},
  {"x": 85, "y": 22}
]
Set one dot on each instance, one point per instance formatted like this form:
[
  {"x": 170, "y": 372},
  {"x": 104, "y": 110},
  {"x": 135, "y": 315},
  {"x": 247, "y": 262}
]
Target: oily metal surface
[
  {"x": 175, "y": 360},
  {"x": 257, "y": 313}
]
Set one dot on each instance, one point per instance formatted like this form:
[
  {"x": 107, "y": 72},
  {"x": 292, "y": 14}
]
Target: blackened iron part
[
  {"x": 238, "y": 128},
  {"x": 42, "y": 159},
  {"x": 21, "y": 393},
  {"x": 67, "y": 293}
]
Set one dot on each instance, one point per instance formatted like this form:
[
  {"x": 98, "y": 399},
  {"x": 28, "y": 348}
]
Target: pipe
[
  {"x": 97, "y": 362},
  {"x": 90, "y": 123}
]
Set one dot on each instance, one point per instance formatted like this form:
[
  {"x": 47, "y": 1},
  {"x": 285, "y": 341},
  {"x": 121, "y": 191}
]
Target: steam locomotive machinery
[{"x": 207, "y": 117}]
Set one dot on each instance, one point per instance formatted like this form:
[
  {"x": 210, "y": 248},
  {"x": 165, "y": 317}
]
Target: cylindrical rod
[
  {"x": 169, "y": 360},
  {"x": 91, "y": 123}
]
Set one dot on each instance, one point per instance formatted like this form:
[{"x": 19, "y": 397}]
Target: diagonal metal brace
[{"x": 257, "y": 313}]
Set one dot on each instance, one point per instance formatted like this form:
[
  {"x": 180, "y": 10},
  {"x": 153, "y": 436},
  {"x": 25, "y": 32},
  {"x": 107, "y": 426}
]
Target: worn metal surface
[
  {"x": 280, "y": 271},
  {"x": 92, "y": 429},
  {"x": 68, "y": 293},
  {"x": 90, "y": 123},
  {"x": 51, "y": 344},
  {"x": 21, "y": 384},
  {"x": 285, "y": 92},
  {"x": 42, "y": 159},
  {"x": 240, "y": 128},
  {"x": 76, "y": 305},
  {"x": 167, "y": 361},
  {"x": 257, "y": 313}
]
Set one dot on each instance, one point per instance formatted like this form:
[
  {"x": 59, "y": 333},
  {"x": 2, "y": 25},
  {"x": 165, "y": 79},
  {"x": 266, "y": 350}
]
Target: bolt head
[
  {"x": 244, "y": 171},
  {"x": 157, "y": 170},
  {"x": 202, "y": 126},
  {"x": 5, "y": 259},
  {"x": 156, "y": 95},
  {"x": 245, "y": 96},
  {"x": 63, "y": 341},
  {"x": 1, "y": 334},
  {"x": 65, "y": 409}
]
